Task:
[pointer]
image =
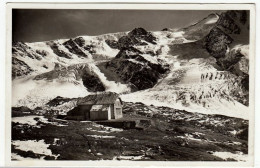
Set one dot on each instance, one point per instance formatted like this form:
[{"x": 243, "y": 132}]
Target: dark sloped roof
[{"x": 102, "y": 98}]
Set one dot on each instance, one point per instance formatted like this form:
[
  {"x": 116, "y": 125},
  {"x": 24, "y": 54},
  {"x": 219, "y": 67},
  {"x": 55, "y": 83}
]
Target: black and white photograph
[{"x": 131, "y": 84}]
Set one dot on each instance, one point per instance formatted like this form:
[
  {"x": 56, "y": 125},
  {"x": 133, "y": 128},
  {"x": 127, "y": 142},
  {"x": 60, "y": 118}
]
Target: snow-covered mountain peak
[{"x": 182, "y": 68}]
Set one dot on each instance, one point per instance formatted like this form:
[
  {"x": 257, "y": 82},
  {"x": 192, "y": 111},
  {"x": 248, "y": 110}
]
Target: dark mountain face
[
  {"x": 138, "y": 36},
  {"x": 92, "y": 82},
  {"x": 216, "y": 42},
  {"x": 58, "y": 51},
  {"x": 230, "y": 28},
  {"x": 82, "y": 45},
  {"x": 189, "y": 50},
  {"x": 231, "y": 21},
  {"x": 112, "y": 43},
  {"x": 134, "y": 69},
  {"x": 74, "y": 48},
  {"x": 126, "y": 41},
  {"x": 80, "y": 41},
  {"x": 21, "y": 49},
  {"x": 130, "y": 66},
  {"x": 228, "y": 24},
  {"x": 142, "y": 34},
  {"x": 138, "y": 76},
  {"x": 19, "y": 68}
]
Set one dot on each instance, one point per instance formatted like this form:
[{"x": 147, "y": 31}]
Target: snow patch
[
  {"x": 28, "y": 120},
  {"x": 239, "y": 156},
  {"x": 189, "y": 137},
  {"x": 177, "y": 64},
  {"x": 211, "y": 21},
  {"x": 234, "y": 132},
  {"x": 34, "y": 120},
  {"x": 15, "y": 156},
  {"x": 150, "y": 58},
  {"x": 38, "y": 147},
  {"x": 135, "y": 61},
  {"x": 110, "y": 85},
  {"x": 107, "y": 129},
  {"x": 33, "y": 93},
  {"x": 100, "y": 46},
  {"x": 101, "y": 136}
]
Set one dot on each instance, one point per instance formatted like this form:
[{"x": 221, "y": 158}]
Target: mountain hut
[{"x": 103, "y": 106}]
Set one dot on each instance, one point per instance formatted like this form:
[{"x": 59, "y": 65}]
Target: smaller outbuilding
[{"x": 101, "y": 106}]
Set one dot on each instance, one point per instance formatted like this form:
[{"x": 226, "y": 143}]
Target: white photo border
[{"x": 126, "y": 6}]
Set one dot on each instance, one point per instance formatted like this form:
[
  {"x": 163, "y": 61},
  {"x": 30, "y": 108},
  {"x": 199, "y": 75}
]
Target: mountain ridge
[{"x": 143, "y": 61}]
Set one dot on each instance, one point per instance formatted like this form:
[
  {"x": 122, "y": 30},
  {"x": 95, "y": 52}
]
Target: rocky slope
[
  {"x": 19, "y": 68},
  {"x": 42, "y": 56},
  {"x": 141, "y": 69},
  {"x": 159, "y": 134},
  {"x": 138, "y": 36}
]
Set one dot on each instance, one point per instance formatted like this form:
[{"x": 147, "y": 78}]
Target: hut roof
[{"x": 102, "y": 98}]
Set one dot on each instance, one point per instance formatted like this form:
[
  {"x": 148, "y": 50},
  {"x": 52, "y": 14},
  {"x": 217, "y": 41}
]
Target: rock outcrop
[
  {"x": 231, "y": 30},
  {"x": 23, "y": 50},
  {"x": 137, "y": 36},
  {"x": 19, "y": 68},
  {"x": 217, "y": 42},
  {"x": 133, "y": 68},
  {"x": 73, "y": 47},
  {"x": 58, "y": 51}
]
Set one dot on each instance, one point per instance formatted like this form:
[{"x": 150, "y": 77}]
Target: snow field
[{"x": 38, "y": 147}]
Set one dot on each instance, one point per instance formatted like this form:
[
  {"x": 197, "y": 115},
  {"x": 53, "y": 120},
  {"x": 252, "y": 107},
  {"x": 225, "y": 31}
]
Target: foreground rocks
[{"x": 170, "y": 134}]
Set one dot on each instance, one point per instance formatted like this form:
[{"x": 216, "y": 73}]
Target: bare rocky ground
[{"x": 163, "y": 134}]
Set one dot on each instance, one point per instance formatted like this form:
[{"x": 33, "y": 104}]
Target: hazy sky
[{"x": 41, "y": 25}]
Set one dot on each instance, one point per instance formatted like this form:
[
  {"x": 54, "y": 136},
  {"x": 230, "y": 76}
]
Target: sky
[{"x": 34, "y": 25}]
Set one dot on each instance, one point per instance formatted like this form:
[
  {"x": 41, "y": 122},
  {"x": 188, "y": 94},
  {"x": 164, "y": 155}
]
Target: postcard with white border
[{"x": 109, "y": 84}]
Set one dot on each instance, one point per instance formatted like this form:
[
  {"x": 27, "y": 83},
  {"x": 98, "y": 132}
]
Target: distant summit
[
  {"x": 138, "y": 36},
  {"x": 201, "y": 28}
]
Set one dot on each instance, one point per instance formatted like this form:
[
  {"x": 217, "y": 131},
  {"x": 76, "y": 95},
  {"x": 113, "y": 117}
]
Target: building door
[{"x": 118, "y": 113}]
